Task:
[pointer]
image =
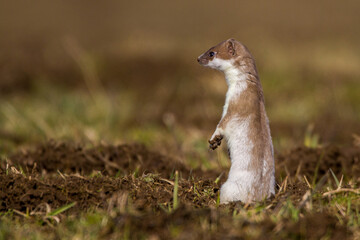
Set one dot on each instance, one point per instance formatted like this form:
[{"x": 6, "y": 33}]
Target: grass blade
[
  {"x": 317, "y": 168},
  {"x": 61, "y": 209},
  {"x": 336, "y": 180},
  {"x": 176, "y": 187}
]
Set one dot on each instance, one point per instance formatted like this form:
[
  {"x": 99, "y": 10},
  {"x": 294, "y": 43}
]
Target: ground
[{"x": 128, "y": 190}]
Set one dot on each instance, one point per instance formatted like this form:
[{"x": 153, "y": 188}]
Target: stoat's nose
[{"x": 198, "y": 59}]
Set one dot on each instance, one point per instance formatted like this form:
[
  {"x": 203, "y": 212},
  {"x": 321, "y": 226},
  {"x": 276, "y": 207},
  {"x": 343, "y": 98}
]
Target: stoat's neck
[
  {"x": 239, "y": 69},
  {"x": 234, "y": 75},
  {"x": 240, "y": 73},
  {"x": 239, "y": 78},
  {"x": 236, "y": 81}
]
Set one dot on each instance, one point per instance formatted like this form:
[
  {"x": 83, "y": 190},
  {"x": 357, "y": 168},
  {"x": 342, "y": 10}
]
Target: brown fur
[
  {"x": 251, "y": 103},
  {"x": 227, "y": 50}
]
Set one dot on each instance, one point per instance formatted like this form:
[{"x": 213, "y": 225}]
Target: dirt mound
[
  {"x": 147, "y": 200},
  {"x": 109, "y": 160},
  {"x": 143, "y": 203},
  {"x": 310, "y": 161},
  {"x": 24, "y": 193}
]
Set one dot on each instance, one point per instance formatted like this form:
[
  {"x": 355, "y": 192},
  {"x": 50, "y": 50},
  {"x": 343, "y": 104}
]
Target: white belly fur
[{"x": 240, "y": 183}]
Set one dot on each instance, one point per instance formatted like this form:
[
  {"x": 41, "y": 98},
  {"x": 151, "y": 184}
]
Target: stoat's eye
[{"x": 211, "y": 54}]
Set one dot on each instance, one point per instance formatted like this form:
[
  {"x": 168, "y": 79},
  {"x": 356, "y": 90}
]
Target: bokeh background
[{"x": 126, "y": 71}]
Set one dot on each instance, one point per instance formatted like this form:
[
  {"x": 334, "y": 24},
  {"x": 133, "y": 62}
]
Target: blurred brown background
[{"x": 142, "y": 57}]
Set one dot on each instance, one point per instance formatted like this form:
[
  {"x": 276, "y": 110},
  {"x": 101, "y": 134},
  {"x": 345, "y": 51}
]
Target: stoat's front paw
[{"x": 215, "y": 141}]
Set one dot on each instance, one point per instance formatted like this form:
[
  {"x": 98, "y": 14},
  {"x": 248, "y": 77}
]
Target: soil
[
  {"x": 60, "y": 173},
  {"x": 90, "y": 176},
  {"x": 109, "y": 160},
  {"x": 26, "y": 193},
  {"x": 112, "y": 177},
  {"x": 311, "y": 162}
]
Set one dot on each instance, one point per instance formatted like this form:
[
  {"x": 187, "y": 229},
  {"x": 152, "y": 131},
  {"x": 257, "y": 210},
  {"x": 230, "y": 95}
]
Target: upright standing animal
[{"x": 244, "y": 124}]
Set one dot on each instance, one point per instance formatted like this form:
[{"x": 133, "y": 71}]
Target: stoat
[{"x": 244, "y": 125}]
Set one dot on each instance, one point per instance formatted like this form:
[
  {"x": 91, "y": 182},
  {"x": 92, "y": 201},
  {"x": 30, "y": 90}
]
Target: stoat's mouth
[{"x": 202, "y": 61}]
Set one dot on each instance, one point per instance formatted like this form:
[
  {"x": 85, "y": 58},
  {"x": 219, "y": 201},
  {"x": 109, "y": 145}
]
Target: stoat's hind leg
[
  {"x": 230, "y": 192},
  {"x": 243, "y": 187}
]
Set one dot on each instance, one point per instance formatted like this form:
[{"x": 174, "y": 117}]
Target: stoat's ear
[{"x": 230, "y": 44}]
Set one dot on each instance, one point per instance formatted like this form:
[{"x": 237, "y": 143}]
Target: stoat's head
[{"x": 224, "y": 55}]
